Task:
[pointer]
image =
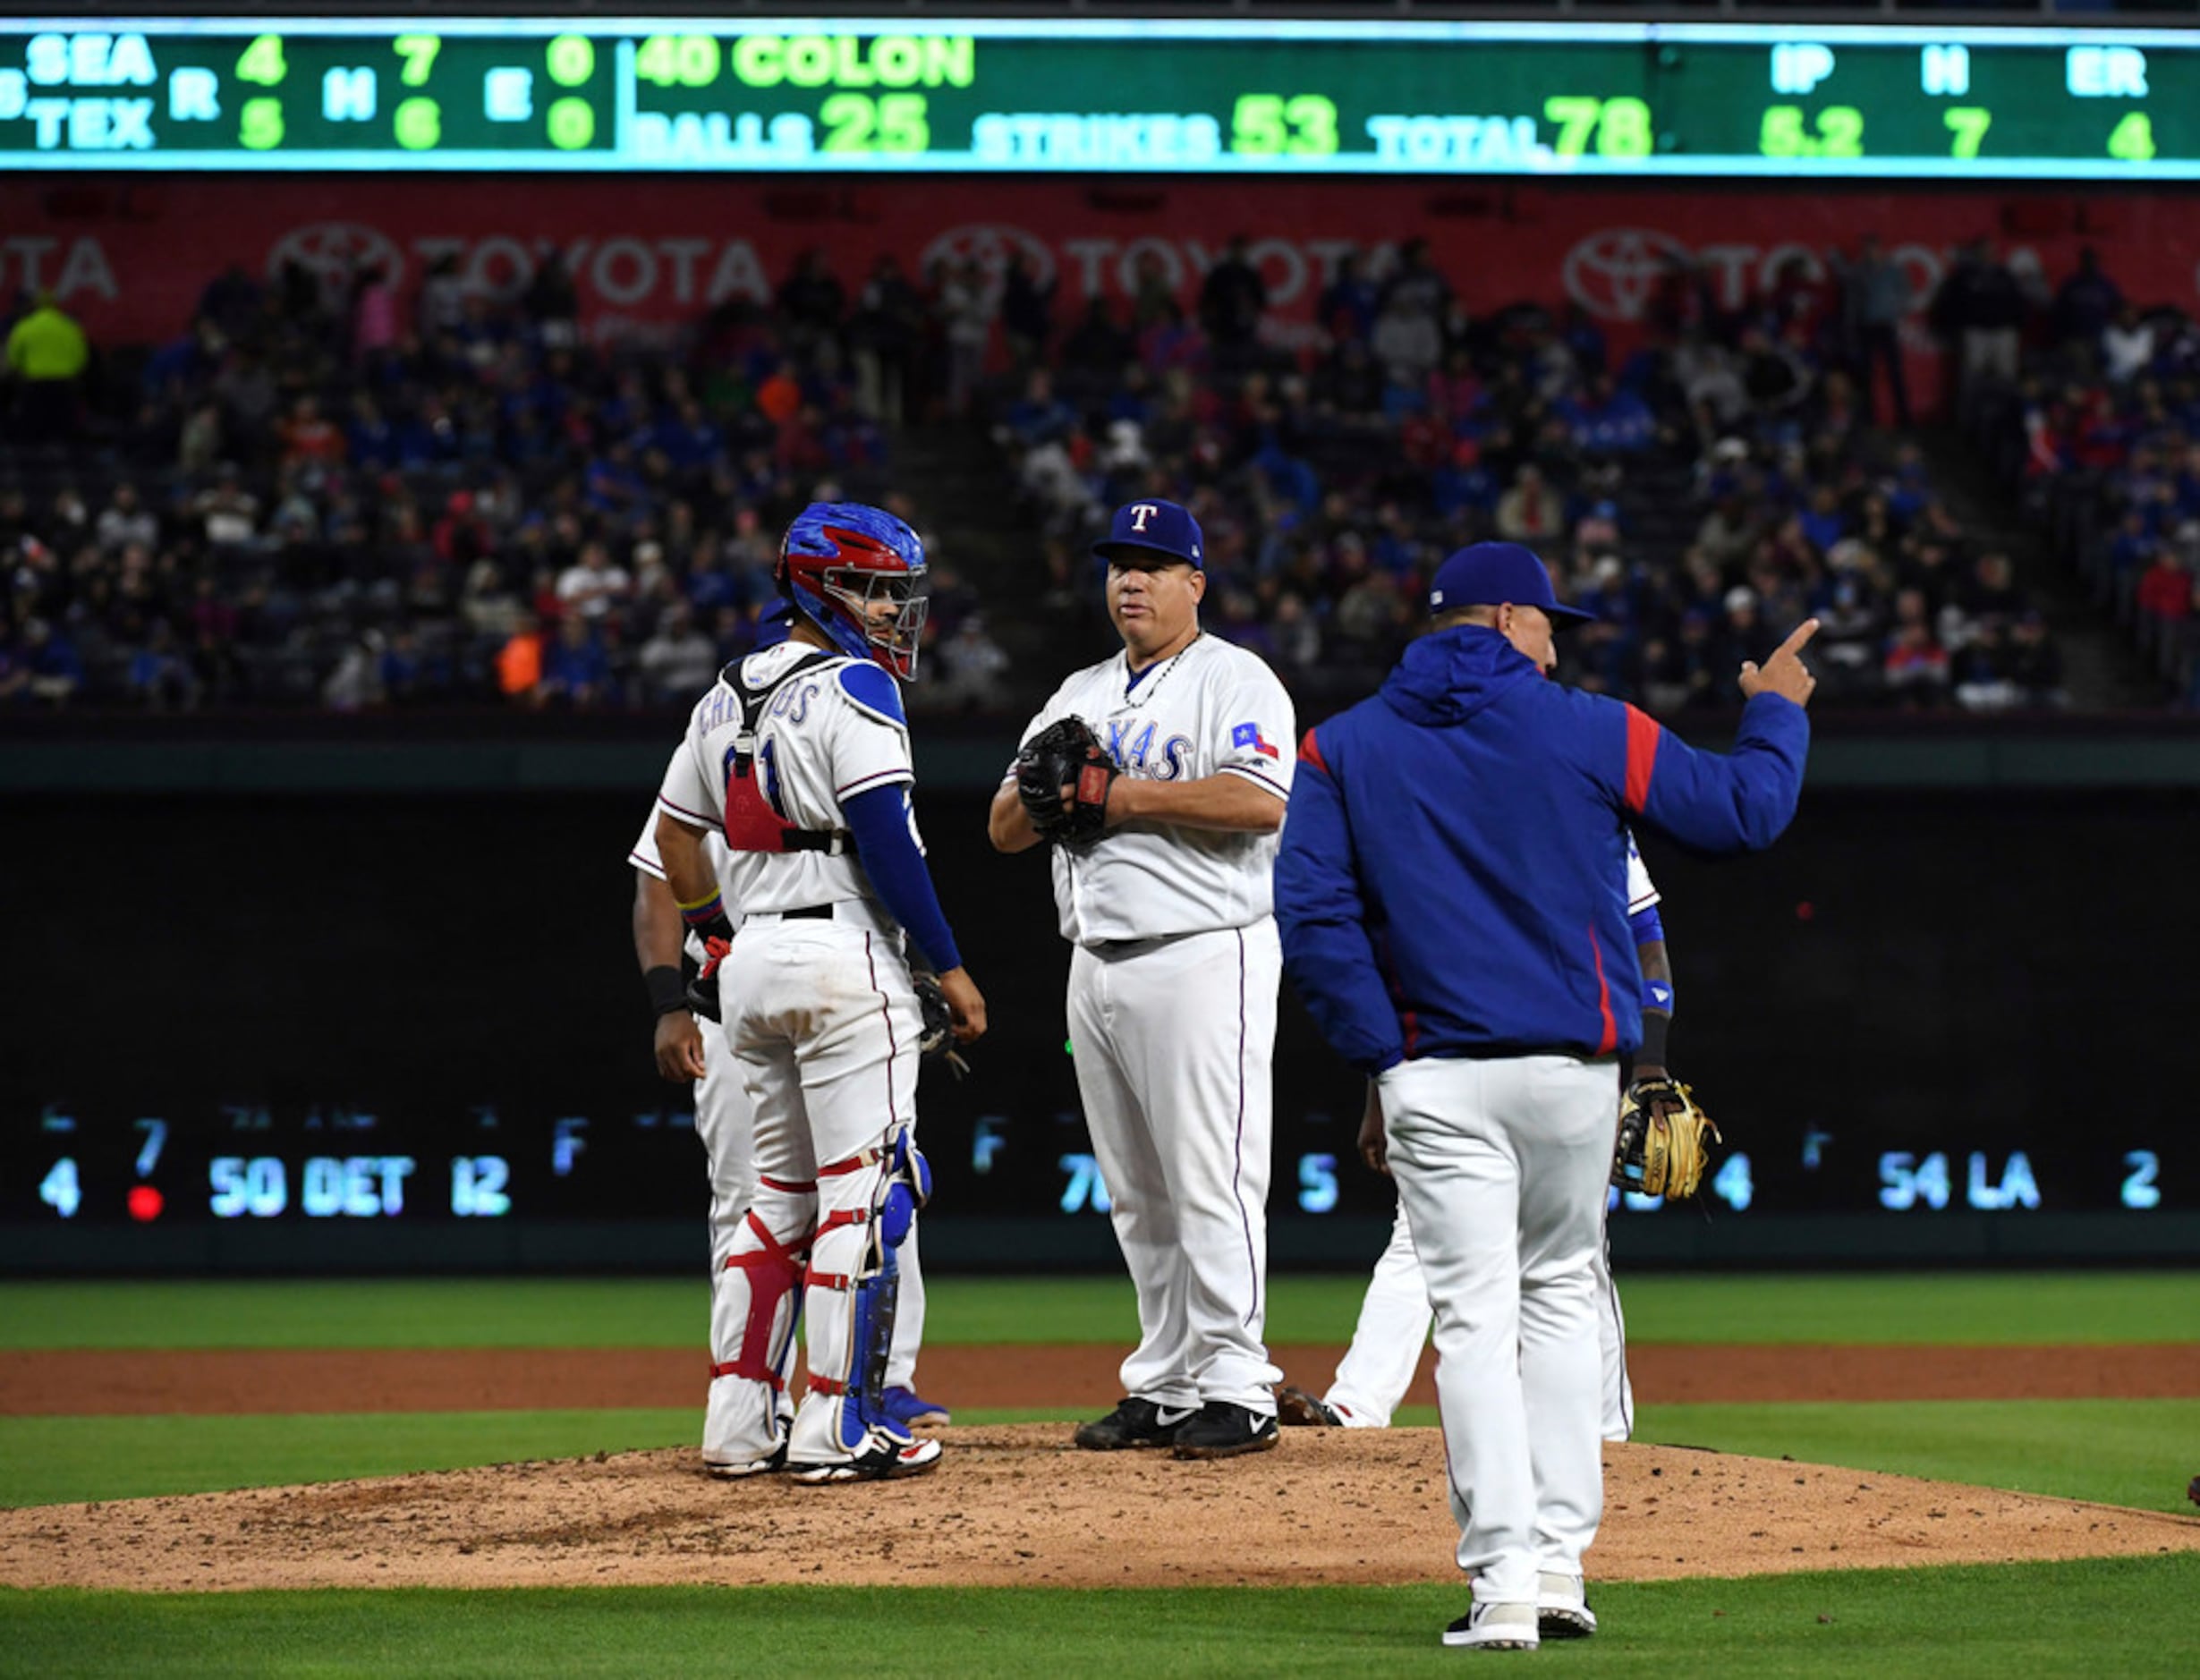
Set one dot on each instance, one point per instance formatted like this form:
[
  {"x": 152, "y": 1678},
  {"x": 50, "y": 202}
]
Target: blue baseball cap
[
  {"x": 1153, "y": 530},
  {"x": 1495, "y": 574}
]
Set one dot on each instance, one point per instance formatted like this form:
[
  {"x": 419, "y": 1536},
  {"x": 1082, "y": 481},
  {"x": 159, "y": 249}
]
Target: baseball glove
[
  {"x": 702, "y": 987},
  {"x": 939, "y": 1036},
  {"x": 1664, "y": 1139},
  {"x": 1065, "y": 754}
]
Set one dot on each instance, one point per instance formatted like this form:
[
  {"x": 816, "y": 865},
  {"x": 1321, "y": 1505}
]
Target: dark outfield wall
[{"x": 1998, "y": 984}]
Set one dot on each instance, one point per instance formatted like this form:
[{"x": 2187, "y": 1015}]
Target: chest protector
[{"x": 754, "y": 822}]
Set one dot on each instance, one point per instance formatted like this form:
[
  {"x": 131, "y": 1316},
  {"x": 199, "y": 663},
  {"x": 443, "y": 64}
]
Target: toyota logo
[
  {"x": 1613, "y": 272},
  {"x": 991, "y": 246},
  {"x": 337, "y": 250}
]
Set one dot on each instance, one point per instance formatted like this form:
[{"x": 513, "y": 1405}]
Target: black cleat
[
  {"x": 1297, "y": 1409},
  {"x": 1223, "y": 1430},
  {"x": 1132, "y": 1423}
]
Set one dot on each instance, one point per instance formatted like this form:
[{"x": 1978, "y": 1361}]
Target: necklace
[{"x": 1167, "y": 670}]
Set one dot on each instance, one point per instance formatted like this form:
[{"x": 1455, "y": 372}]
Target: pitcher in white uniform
[
  {"x": 1395, "y": 1315},
  {"x": 1173, "y": 984}
]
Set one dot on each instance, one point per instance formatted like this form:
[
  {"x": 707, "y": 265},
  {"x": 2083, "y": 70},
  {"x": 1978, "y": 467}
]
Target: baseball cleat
[
  {"x": 904, "y": 1407},
  {"x": 1496, "y": 1628},
  {"x": 1224, "y": 1430},
  {"x": 888, "y": 1461},
  {"x": 1562, "y": 1609},
  {"x": 1296, "y": 1409},
  {"x": 1134, "y": 1424},
  {"x": 735, "y": 1469}
]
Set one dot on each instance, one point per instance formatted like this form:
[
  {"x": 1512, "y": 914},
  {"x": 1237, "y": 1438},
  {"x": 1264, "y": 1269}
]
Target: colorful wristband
[{"x": 703, "y": 911}]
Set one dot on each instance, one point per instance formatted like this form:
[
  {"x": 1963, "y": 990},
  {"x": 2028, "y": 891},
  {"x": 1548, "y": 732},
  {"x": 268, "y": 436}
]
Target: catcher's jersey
[
  {"x": 832, "y": 733},
  {"x": 1212, "y": 708},
  {"x": 644, "y": 857},
  {"x": 1640, "y": 893}
]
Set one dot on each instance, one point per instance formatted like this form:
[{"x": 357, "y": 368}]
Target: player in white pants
[
  {"x": 1396, "y": 1317},
  {"x": 686, "y": 1054},
  {"x": 1173, "y": 983},
  {"x": 799, "y": 757}
]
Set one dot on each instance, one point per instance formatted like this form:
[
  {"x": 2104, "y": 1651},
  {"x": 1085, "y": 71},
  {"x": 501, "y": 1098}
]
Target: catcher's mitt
[
  {"x": 1664, "y": 1139},
  {"x": 1065, "y": 754},
  {"x": 938, "y": 1037}
]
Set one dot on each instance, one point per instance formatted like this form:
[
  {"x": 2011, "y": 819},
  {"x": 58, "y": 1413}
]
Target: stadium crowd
[
  {"x": 361, "y": 500},
  {"x": 2093, "y": 420},
  {"x": 1702, "y": 495},
  {"x": 324, "y": 492}
]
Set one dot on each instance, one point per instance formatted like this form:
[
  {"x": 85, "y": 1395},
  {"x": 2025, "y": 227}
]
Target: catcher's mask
[{"x": 859, "y": 574}]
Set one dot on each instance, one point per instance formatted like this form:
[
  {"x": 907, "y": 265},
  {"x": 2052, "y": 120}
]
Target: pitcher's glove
[
  {"x": 1065, "y": 754},
  {"x": 1664, "y": 1139},
  {"x": 938, "y": 1037}
]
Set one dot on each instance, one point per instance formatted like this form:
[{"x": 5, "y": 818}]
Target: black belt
[{"x": 808, "y": 913}]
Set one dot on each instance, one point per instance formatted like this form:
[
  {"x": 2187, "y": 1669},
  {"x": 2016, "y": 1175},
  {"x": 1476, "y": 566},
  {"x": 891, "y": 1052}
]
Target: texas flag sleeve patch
[{"x": 1249, "y": 735}]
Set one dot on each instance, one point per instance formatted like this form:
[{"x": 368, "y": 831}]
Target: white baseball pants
[
  {"x": 823, "y": 1025},
  {"x": 727, "y": 1124},
  {"x": 1502, "y": 1167},
  {"x": 1395, "y": 1317},
  {"x": 1172, "y": 1039}
]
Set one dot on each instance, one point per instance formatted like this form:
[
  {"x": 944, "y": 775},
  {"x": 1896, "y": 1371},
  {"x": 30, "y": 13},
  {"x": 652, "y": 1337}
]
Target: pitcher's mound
[{"x": 1020, "y": 1506}]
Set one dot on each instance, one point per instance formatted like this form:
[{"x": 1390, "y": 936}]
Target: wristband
[
  {"x": 1652, "y": 1053},
  {"x": 667, "y": 989},
  {"x": 703, "y": 911}
]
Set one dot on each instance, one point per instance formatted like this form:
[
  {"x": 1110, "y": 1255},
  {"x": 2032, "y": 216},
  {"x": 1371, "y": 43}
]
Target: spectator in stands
[
  {"x": 1026, "y": 310},
  {"x": 1098, "y": 348},
  {"x": 1876, "y": 298},
  {"x": 2126, "y": 346},
  {"x": 678, "y": 662},
  {"x": 576, "y": 669},
  {"x": 964, "y": 311},
  {"x": 1980, "y": 310},
  {"x": 1232, "y": 301},
  {"x": 1408, "y": 342},
  {"x": 1348, "y": 303},
  {"x": 125, "y": 520},
  {"x": 46, "y": 355},
  {"x": 2085, "y": 303},
  {"x": 812, "y": 302},
  {"x": 593, "y": 586}
]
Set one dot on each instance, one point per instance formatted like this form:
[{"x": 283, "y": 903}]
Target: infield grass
[
  {"x": 1962, "y": 1308},
  {"x": 2124, "y": 1617}
]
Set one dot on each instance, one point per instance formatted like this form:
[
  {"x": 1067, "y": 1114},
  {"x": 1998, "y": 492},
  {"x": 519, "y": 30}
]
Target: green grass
[
  {"x": 50, "y": 1460},
  {"x": 1958, "y": 1308},
  {"x": 2127, "y": 1617},
  {"x": 2138, "y": 1452}
]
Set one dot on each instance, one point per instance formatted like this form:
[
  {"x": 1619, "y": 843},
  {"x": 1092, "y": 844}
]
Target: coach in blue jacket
[{"x": 1451, "y": 893}]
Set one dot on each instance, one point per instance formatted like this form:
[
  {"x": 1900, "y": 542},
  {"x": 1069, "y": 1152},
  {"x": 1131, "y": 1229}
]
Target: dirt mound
[{"x": 1019, "y": 1507}]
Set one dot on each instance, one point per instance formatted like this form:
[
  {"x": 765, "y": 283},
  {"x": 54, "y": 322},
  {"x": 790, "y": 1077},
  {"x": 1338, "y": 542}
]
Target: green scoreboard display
[{"x": 787, "y": 95}]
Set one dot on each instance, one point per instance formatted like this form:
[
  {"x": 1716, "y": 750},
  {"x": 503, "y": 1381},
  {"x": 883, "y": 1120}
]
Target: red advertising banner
[{"x": 128, "y": 255}]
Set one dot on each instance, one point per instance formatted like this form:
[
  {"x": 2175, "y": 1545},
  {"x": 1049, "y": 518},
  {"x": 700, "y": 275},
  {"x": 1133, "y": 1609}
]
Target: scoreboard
[{"x": 1211, "y": 97}]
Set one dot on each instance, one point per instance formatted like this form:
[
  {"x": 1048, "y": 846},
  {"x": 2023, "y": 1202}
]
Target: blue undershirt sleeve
[{"x": 886, "y": 840}]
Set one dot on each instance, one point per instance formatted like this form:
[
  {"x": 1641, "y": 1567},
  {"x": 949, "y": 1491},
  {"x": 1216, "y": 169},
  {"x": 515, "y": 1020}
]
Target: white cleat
[
  {"x": 737, "y": 1469},
  {"x": 1496, "y": 1628},
  {"x": 1562, "y": 1607},
  {"x": 888, "y": 1461}
]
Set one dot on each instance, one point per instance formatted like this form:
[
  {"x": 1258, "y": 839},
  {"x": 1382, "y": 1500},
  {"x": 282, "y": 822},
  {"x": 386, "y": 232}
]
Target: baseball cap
[
  {"x": 1493, "y": 573},
  {"x": 1152, "y": 531}
]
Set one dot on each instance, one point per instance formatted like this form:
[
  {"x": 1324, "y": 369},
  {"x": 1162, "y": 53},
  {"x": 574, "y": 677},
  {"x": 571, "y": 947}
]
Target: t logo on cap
[{"x": 1151, "y": 533}]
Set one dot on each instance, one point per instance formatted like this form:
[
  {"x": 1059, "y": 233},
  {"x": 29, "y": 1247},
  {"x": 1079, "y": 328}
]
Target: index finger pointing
[{"x": 1800, "y": 639}]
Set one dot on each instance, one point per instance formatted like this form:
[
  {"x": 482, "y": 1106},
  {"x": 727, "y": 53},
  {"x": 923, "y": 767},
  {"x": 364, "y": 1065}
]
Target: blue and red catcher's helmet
[{"x": 841, "y": 563}]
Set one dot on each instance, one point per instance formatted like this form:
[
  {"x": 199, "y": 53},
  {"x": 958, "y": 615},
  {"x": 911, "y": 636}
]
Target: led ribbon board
[{"x": 798, "y": 95}]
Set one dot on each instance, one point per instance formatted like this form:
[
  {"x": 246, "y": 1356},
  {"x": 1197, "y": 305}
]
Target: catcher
[{"x": 1394, "y": 1316}]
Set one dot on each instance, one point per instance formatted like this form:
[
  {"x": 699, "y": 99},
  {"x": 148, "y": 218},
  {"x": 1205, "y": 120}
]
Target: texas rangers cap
[
  {"x": 1494, "y": 574},
  {"x": 1152, "y": 531}
]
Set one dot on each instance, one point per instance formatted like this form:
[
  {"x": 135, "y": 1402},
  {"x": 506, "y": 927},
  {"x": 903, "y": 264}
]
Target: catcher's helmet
[{"x": 841, "y": 563}]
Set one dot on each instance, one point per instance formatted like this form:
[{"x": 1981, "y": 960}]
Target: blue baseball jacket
[{"x": 1452, "y": 876}]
